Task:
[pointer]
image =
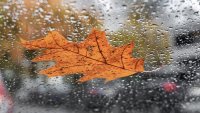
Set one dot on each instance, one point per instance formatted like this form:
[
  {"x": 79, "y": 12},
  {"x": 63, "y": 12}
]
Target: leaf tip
[{"x": 95, "y": 30}]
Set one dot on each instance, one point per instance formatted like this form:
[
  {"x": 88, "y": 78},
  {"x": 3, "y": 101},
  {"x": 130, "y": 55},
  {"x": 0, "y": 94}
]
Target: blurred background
[{"x": 165, "y": 32}]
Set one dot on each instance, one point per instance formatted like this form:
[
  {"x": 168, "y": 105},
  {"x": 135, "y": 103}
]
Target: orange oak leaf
[{"x": 93, "y": 57}]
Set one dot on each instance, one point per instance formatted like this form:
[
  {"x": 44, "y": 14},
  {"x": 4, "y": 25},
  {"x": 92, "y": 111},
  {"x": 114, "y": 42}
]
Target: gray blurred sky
[
  {"x": 113, "y": 12},
  {"x": 173, "y": 14}
]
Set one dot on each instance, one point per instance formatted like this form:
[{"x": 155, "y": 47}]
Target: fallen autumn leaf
[{"x": 93, "y": 57}]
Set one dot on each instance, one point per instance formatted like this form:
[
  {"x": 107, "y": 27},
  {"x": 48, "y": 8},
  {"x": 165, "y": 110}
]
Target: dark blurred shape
[{"x": 187, "y": 38}]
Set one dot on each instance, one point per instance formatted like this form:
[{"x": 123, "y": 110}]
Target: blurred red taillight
[
  {"x": 93, "y": 92},
  {"x": 169, "y": 86}
]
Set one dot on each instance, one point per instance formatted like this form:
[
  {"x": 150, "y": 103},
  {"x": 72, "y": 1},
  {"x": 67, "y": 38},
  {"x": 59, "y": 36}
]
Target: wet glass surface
[{"x": 165, "y": 34}]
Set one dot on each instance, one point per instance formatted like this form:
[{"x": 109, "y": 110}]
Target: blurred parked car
[
  {"x": 152, "y": 92},
  {"x": 6, "y": 102}
]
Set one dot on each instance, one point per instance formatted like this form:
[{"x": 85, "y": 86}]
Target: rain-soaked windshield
[{"x": 99, "y": 56}]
